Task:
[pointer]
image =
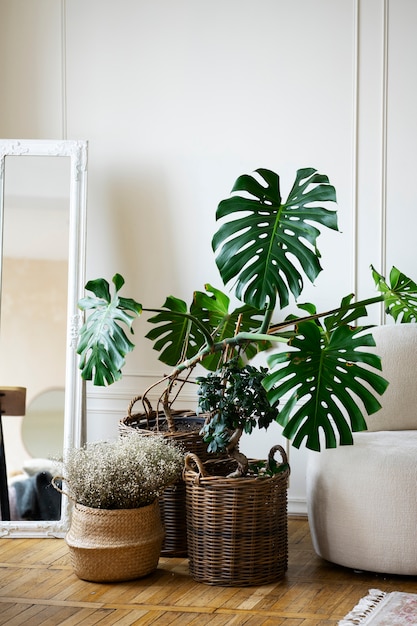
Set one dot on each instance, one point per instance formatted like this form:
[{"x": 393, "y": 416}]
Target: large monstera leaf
[
  {"x": 103, "y": 343},
  {"x": 267, "y": 244},
  {"x": 324, "y": 377},
  {"x": 180, "y": 333}
]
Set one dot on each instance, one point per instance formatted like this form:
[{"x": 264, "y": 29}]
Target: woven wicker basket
[
  {"x": 237, "y": 528},
  {"x": 115, "y": 545},
  {"x": 172, "y": 501},
  {"x": 150, "y": 422}
]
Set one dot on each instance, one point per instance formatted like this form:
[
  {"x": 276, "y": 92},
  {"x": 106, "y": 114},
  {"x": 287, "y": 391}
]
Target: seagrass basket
[
  {"x": 172, "y": 501},
  {"x": 237, "y": 528},
  {"x": 114, "y": 545}
]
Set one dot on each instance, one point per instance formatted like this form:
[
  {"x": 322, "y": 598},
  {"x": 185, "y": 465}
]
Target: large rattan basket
[
  {"x": 237, "y": 528},
  {"x": 172, "y": 501}
]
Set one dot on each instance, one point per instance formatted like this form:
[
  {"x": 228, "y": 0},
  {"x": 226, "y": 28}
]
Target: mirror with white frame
[{"x": 42, "y": 272}]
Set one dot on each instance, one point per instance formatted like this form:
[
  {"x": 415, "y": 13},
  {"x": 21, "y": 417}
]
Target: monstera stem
[{"x": 350, "y": 307}]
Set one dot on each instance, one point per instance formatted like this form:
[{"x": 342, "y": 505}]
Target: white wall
[{"x": 179, "y": 98}]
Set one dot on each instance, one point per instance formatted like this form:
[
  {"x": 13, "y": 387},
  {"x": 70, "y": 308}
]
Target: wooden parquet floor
[{"x": 38, "y": 587}]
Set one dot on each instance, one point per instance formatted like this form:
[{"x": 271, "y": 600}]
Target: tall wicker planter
[
  {"x": 237, "y": 528},
  {"x": 115, "y": 545},
  {"x": 172, "y": 501}
]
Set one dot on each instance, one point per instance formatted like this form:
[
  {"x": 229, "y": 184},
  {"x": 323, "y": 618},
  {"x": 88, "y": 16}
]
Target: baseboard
[{"x": 297, "y": 507}]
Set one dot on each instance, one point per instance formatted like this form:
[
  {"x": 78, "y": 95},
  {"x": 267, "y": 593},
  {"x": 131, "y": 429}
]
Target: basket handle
[
  {"x": 147, "y": 406},
  {"x": 58, "y": 488},
  {"x": 191, "y": 462},
  {"x": 272, "y": 453},
  {"x": 145, "y": 401}
]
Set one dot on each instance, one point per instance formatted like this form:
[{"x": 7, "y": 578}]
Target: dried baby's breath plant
[{"x": 123, "y": 474}]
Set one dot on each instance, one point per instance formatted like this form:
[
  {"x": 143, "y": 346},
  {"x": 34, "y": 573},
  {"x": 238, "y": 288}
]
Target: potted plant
[
  {"x": 116, "y": 531},
  {"x": 266, "y": 248}
]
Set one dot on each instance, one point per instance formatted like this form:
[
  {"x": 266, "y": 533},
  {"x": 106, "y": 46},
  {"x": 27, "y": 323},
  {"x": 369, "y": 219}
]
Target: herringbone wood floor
[{"x": 37, "y": 586}]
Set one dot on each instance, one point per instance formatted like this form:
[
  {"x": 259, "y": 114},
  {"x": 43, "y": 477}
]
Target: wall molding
[
  {"x": 384, "y": 144},
  {"x": 355, "y": 144},
  {"x": 64, "y": 69}
]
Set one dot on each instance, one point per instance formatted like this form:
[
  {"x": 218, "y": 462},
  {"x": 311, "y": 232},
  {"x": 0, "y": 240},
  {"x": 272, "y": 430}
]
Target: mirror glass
[
  {"x": 42, "y": 277},
  {"x": 44, "y": 414}
]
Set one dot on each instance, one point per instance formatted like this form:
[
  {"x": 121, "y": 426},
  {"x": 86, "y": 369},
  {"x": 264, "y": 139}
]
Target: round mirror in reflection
[{"x": 43, "y": 424}]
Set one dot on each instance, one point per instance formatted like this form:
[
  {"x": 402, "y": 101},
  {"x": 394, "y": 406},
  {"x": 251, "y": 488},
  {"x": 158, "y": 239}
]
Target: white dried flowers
[{"x": 127, "y": 473}]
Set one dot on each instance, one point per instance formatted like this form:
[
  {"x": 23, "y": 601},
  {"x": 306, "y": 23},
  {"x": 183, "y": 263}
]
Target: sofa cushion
[{"x": 396, "y": 344}]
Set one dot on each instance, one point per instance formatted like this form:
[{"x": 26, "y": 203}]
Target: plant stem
[{"x": 315, "y": 316}]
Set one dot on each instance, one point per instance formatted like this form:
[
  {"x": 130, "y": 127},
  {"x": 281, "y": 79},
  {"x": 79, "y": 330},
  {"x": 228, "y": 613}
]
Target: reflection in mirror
[
  {"x": 42, "y": 276},
  {"x": 45, "y": 414}
]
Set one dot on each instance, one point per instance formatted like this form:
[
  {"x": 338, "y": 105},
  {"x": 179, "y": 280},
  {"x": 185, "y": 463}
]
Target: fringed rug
[{"x": 384, "y": 609}]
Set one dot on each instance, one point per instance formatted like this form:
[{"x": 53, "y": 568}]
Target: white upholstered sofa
[{"x": 362, "y": 499}]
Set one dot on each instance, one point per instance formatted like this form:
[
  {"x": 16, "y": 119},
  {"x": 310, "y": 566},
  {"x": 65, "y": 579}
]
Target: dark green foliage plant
[
  {"x": 234, "y": 401},
  {"x": 324, "y": 381}
]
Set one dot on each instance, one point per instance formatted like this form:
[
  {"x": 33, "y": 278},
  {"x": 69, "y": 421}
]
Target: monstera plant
[{"x": 265, "y": 249}]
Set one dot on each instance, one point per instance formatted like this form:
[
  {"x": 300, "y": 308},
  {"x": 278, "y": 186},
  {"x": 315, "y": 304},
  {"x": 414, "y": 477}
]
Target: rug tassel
[{"x": 363, "y": 608}]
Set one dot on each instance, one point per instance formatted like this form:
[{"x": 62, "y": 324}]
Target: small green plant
[
  {"x": 234, "y": 401},
  {"x": 127, "y": 473}
]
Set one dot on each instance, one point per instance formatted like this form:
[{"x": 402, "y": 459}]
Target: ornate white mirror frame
[{"x": 74, "y": 425}]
